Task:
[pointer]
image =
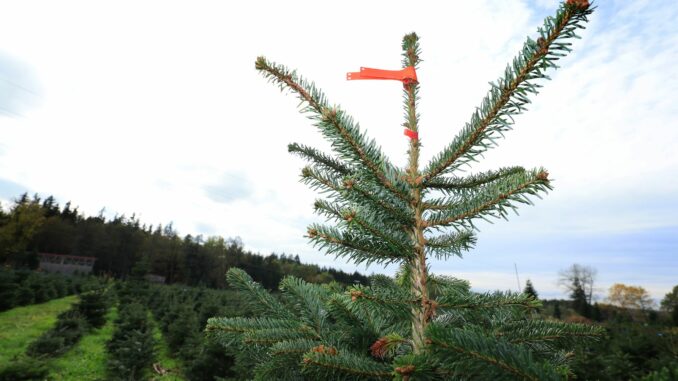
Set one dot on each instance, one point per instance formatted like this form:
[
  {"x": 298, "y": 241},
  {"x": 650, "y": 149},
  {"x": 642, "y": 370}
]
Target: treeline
[{"x": 32, "y": 225}]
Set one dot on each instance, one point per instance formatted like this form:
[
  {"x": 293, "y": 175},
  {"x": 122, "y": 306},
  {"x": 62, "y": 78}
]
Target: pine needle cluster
[{"x": 417, "y": 326}]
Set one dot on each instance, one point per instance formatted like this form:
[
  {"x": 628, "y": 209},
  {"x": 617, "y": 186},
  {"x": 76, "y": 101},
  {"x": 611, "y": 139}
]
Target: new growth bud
[
  {"x": 329, "y": 113},
  {"x": 379, "y": 347},
  {"x": 581, "y": 4},
  {"x": 349, "y": 215},
  {"x": 326, "y": 350},
  {"x": 261, "y": 63},
  {"x": 405, "y": 371},
  {"x": 541, "y": 43}
]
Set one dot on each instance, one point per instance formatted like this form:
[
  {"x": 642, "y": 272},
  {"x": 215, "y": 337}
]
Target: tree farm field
[
  {"x": 152, "y": 224},
  {"x": 22, "y": 325},
  {"x": 86, "y": 360}
]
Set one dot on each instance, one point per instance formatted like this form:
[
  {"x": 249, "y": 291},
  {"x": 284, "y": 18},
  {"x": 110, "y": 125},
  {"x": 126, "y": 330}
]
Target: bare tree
[{"x": 584, "y": 275}]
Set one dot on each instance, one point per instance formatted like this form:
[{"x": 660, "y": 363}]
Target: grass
[
  {"x": 164, "y": 359},
  {"x": 21, "y": 325},
  {"x": 87, "y": 360}
]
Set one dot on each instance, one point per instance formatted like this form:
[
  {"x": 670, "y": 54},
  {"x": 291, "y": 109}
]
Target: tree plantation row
[
  {"x": 177, "y": 313},
  {"x": 630, "y": 348}
]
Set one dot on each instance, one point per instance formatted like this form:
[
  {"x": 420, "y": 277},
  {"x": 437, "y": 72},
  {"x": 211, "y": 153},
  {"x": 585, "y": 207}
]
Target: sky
[{"x": 155, "y": 108}]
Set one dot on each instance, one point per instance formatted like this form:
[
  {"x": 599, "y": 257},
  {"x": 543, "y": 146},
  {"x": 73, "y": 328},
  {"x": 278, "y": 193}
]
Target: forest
[{"x": 32, "y": 225}]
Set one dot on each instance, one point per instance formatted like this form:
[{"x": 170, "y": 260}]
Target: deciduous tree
[
  {"x": 629, "y": 297},
  {"x": 579, "y": 276},
  {"x": 21, "y": 224},
  {"x": 670, "y": 300},
  {"x": 670, "y": 304}
]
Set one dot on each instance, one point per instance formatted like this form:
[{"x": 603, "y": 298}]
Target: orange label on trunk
[{"x": 406, "y": 75}]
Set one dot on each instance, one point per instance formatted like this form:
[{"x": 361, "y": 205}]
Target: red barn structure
[{"x": 66, "y": 264}]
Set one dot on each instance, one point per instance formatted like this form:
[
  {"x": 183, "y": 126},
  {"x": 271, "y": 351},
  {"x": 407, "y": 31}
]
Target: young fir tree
[
  {"x": 93, "y": 307},
  {"x": 417, "y": 326},
  {"x": 579, "y": 302},
  {"x": 556, "y": 310},
  {"x": 529, "y": 290}
]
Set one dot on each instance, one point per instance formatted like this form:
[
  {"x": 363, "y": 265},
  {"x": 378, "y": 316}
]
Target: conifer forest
[{"x": 101, "y": 297}]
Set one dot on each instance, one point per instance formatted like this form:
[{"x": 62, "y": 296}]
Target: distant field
[{"x": 21, "y": 325}]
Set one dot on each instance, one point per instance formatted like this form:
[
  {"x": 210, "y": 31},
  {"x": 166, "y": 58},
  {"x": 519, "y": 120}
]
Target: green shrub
[
  {"x": 211, "y": 363},
  {"x": 93, "y": 307},
  {"x": 69, "y": 328},
  {"x": 664, "y": 374},
  {"x": 21, "y": 287},
  {"x": 629, "y": 351},
  {"x": 210, "y": 307},
  {"x": 173, "y": 311},
  {"x": 7, "y": 290},
  {"x": 48, "y": 344},
  {"x": 132, "y": 291},
  {"x": 21, "y": 275},
  {"x": 130, "y": 356},
  {"x": 43, "y": 290},
  {"x": 131, "y": 348},
  {"x": 60, "y": 286},
  {"x": 24, "y": 295},
  {"x": 182, "y": 328},
  {"x": 181, "y": 313},
  {"x": 70, "y": 284},
  {"x": 24, "y": 369}
]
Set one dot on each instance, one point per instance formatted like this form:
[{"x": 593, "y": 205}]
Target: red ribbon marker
[
  {"x": 406, "y": 75},
  {"x": 411, "y": 134}
]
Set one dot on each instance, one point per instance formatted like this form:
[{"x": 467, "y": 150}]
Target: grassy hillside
[
  {"x": 21, "y": 325},
  {"x": 87, "y": 360}
]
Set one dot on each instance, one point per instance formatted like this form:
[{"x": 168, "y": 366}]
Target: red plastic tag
[
  {"x": 406, "y": 75},
  {"x": 411, "y": 134}
]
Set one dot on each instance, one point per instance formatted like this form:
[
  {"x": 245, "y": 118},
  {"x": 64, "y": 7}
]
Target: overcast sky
[{"x": 155, "y": 108}]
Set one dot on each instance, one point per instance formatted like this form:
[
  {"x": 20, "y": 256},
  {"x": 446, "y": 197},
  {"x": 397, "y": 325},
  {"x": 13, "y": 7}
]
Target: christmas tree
[
  {"x": 529, "y": 290},
  {"x": 418, "y": 326}
]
